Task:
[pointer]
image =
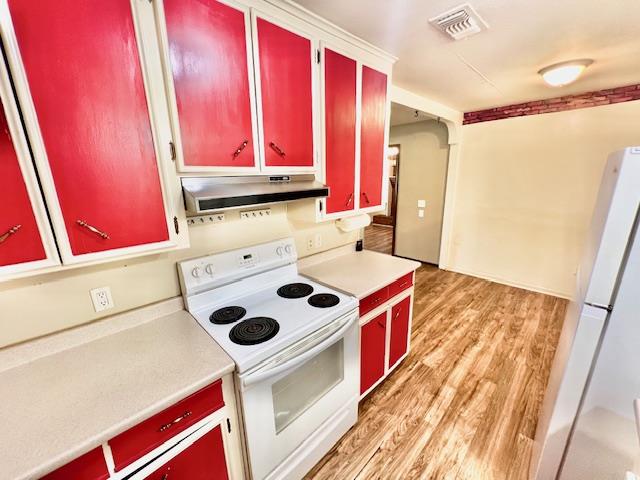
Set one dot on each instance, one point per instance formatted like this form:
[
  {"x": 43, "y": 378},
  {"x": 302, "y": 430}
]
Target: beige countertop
[
  {"x": 357, "y": 273},
  {"x": 54, "y": 408}
]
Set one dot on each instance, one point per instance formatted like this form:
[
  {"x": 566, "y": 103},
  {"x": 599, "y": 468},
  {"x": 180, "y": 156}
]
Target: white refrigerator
[{"x": 587, "y": 427}]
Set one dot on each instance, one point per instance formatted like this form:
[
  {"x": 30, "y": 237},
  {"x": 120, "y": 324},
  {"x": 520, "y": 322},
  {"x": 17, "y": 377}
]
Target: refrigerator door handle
[{"x": 608, "y": 308}]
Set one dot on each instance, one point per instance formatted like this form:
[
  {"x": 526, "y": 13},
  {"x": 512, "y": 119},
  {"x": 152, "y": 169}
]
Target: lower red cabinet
[
  {"x": 372, "y": 351},
  {"x": 399, "y": 330},
  {"x": 90, "y": 466},
  {"x": 204, "y": 460}
]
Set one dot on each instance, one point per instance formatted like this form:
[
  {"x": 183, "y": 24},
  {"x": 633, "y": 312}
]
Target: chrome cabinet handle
[
  {"x": 167, "y": 426},
  {"x": 397, "y": 314},
  {"x": 277, "y": 149},
  {"x": 240, "y": 148},
  {"x": 366, "y": 197},
  {"x": 349, "y": 200},
  {"x": 100, "y": 233},
  {"x": 9, "y": 232}
]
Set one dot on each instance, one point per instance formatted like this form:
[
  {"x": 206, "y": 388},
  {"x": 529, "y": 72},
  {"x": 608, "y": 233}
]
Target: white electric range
[{"x": 296, "y": 347}]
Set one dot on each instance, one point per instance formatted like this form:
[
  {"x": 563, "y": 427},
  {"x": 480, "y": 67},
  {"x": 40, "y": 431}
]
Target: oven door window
[{"x": 304, "y": 386}]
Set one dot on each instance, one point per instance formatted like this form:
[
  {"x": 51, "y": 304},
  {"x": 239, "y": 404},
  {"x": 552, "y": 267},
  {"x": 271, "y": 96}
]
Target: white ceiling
[
  {"x": 498, "y": 66},
  {"x": 401, "y": 115}
]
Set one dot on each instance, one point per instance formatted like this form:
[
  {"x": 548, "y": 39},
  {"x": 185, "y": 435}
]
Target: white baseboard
[{"x": 511, "y": 283}]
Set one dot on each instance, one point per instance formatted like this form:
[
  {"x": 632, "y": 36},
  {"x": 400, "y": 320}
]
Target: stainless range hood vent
[{"x": 207, "y": 194}]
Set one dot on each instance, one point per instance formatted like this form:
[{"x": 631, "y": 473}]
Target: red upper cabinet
[
  {"x": 88, "y": 119},
  {"x": 212, "y": 84},
  {"x": 372, "y": 136},
  {"x": 26, "y": 241},
  {"x": 20, "y": 240},
  {"x": 340, "y": 130},
  {"x": 285, "y": 70}
]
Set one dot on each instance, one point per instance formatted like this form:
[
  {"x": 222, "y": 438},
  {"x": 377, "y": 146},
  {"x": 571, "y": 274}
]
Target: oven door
[{"x": 289, "y": 398}]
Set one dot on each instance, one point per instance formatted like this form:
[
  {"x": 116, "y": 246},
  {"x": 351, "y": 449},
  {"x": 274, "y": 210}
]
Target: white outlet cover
[
  {"x": 421, "y": 213},
  {"x": 101, "y": 298},
  {"x": 422, "y": 203},
  {"x": 317, "y": 241}
]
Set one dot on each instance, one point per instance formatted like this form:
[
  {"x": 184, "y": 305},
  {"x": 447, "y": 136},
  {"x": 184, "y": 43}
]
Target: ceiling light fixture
[{"x": 560, "y": 74}]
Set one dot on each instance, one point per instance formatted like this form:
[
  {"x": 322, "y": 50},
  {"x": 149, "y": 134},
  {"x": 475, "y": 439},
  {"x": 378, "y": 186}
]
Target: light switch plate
[
  {"x": 101, "y": 298},
  {"x": 422, "y": 203},
  {"x": 421, "y": 213}
]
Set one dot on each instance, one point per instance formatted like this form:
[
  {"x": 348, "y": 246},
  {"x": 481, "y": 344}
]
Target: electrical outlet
[
  {"x": 310, "y": 243},
  {"x": 101, "y": 298},
  {"x": 317, "y": 241}
]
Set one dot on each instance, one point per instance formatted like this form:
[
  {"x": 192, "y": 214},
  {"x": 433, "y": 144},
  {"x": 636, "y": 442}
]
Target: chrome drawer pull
[
  {"x": 277, "y": 149},
  {"x": 240, "y": 148},
  {"x": 366, "y": 197},
  {"x": 9, "y": 232},
  {"x": 84, "y": 224},
  {"x": 349, "y": 200},
  {"x": 167, "y": 426}
]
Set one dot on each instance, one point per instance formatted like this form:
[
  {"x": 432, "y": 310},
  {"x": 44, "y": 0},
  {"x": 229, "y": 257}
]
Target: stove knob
[
  {"x": 288, "y": 249},
  {"x": 195, "y": 272},
  {"x": 209, "y": 269},
  {"x": 279, "y": 251}
]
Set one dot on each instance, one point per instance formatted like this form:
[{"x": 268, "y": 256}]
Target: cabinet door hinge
[
  {"x": 228, "y": 425},
  {"x": 176, "y": 225},
  {"x": 172, "y": 149},
  {"x": 318, "y": 56}
]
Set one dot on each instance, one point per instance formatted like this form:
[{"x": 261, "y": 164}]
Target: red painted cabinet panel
[
  {"x": 90, "y": 466},
  {"x": 340, "y": 130},
  {"x": 372, "y": 147},
  {"x": 372, "y": 351},
  {"x": 286, "y": 91},
  {"x": 153, "y": 432},
  {"x": 399, "y": 330},
  {"x": 204, "y": 460},
  {"x": 20, "y": 240},
  {"x": 208, "y": 56},
  {"x": 83, "y": 69}
]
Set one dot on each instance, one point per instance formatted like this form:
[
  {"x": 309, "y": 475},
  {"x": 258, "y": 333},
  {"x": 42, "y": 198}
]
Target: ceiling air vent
[{"x": 459, "y": 22}]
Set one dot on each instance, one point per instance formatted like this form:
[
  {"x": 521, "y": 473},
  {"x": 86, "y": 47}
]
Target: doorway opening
[{"x": 417, "y": 158}]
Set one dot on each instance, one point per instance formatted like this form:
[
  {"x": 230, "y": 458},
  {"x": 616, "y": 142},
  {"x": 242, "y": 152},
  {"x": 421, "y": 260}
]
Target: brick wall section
[{"x": 558, "y": 104}]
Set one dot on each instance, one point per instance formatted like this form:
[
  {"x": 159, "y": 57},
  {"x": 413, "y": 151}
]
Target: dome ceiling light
[{"x": 564, "y": 73}]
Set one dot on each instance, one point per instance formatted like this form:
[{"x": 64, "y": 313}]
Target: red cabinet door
[
  {"x": 285, "y": 60},
  {"x": 340, "y": 130},
  {"x": 372, "y": 135},
  {"x": 20, "y": 240},
  {"x": 90, "y": 466},
  {"x": 85, "y": 79},
  {"x": 208, "y": 56},
  {"x": 372, "y": 350},
  {"x": 204, "y": 460},
  {"x": 399, "y": 330}
]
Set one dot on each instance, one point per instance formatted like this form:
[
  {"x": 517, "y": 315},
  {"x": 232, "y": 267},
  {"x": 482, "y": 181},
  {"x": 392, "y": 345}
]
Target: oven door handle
[{"x": 290, "y": 363}]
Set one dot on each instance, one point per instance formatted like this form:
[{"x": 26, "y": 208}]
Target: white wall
[
  {"x": 39, "y": 305},
  {"x": 525, "y": 190}
]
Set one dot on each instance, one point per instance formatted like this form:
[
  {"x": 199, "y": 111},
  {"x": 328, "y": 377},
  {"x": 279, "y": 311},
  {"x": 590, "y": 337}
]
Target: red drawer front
[
  {"x": 399, "y": 330},
  {"x": 90, "y": 466},
  {"x": 374, "y": 300},
  {"x": 400, "y": 284},
  {"x": 144, "y": 437},
  {"x": 204, "y": 460},
  {"x": 372, "y": 348}
]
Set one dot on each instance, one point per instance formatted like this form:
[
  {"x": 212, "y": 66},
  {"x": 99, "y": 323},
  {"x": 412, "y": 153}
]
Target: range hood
[{"x": 207, "y": 194}]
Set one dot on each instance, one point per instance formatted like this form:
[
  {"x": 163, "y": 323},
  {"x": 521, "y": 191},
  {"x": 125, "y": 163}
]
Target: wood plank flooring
[
  {"x": 378, "y": 238},
  {"x": 464, "y": 403}
]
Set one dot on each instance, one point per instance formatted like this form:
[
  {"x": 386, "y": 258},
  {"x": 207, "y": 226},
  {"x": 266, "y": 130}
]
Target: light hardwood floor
[
  {"x": 464, "y": 403},
  {"x": 378, "y": 238}
]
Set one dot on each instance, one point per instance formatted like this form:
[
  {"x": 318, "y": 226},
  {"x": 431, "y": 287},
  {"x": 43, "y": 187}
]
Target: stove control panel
[{"x": 204, "y": 273}]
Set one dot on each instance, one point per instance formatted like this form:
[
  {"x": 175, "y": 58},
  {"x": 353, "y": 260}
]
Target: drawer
[
  {"x": 153, "y": 432},
  {"x": 90, "y": 466},
  {"x": 400, "y": 284},
  {"x": 374, "y": 300}
]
